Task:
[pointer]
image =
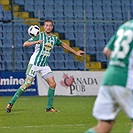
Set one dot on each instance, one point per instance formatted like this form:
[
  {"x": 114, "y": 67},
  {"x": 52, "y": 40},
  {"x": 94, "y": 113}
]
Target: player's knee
[
  {"x": 52, "y": 85},
  {"x": 26, "y": 84}
]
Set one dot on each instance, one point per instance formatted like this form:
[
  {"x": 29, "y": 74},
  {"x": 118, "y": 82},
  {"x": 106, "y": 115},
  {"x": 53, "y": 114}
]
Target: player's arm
[
  {"x": 109, "y": 47},
  {"x": 107, "y": 52},
  {"x": 67, "y": 47},
  {"x": 27, "y": 43}
]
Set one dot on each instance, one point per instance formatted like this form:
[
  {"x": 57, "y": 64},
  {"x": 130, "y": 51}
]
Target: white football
[{"x": 33, "y": 30}]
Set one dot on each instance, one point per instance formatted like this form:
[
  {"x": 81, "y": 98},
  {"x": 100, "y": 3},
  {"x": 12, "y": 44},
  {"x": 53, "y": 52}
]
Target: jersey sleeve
[
  {"x": 58, "y": 42},
  {"x": 32, "y": 39},
  {"x": 110, "y": 44}
]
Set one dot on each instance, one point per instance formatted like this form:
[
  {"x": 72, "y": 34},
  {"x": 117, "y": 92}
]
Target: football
[{"x": 33, "y": 30}]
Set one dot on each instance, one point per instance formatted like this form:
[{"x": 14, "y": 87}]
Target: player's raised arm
[
  {"x": 27, "y": 43},
  {"x": 67, "y": 47},
  {"x": 34, "y": 32}
]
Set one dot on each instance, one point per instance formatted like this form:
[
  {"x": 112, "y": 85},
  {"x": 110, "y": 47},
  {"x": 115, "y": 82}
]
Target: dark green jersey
[
  {"x": 43, "y": 50},
  {"x": 120, "y": 69}
]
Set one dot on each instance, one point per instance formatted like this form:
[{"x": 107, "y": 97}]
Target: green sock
[
  {"x": 91, "y": 130},
  {"x": 50, "y": 98},
  {"x": 16, "y": 95}
]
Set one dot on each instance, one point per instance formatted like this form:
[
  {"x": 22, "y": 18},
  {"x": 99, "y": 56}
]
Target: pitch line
[{"x": 67, "y": 125}]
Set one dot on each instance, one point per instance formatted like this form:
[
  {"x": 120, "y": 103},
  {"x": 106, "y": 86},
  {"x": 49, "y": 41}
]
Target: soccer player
[
  {"x": 116, "y": 91},
  {"x": 44, "y": 42}
]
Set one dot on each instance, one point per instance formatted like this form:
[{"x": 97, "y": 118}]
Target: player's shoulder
[
  {"x": 127, "y": 25},
  {"x": 42, "y": 32},
  {"x": 54, "y": 35}
]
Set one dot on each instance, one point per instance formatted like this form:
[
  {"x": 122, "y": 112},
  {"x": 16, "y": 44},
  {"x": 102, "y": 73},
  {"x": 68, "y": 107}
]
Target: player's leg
[
  {"x": 126, "y": 103},
  {"x": 31, "y": 73},
  {"x": 49, "y": 78},
  {"x": 19, "y": 92},
  {"x": 27, "y": 83},
  {"x": 105, "y": 111},
  {"x": 51, "y": 90},
  {"x": 131, "y": 131},
  {"x": 103, "y": 126}
]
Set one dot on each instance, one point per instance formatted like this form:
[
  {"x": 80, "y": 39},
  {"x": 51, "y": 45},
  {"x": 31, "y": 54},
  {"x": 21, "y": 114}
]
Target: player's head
[{"x": 48, "y": 26}]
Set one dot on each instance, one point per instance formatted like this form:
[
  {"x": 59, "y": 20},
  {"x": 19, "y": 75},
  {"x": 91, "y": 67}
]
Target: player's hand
[
  {"x": 79, "y": 53},
  {"x": 39, "y": 41}
]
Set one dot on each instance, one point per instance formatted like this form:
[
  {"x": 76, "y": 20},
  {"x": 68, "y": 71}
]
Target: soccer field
[{"x": 28, "y": 116}]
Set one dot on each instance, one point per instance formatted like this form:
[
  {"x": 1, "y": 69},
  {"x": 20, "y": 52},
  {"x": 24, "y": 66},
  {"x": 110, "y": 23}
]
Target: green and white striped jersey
[
  {"x": 43, "y": 50},
  {"x": 120, "y": 69}
]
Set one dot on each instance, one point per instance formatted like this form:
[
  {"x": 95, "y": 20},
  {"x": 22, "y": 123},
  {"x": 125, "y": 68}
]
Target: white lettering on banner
[
  {"x": 12, "y": 81},
  {"x": 72, "y": 83},
  {"x": 14, "y": 90}
]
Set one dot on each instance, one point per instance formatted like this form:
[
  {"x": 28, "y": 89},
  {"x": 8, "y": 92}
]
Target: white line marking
[{"x": 68, "y": 125}]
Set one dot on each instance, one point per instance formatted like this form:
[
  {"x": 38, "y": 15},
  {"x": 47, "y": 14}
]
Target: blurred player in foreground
[
  {"x": 116, "y": 91},
  {"x": 44, "y": 42}
]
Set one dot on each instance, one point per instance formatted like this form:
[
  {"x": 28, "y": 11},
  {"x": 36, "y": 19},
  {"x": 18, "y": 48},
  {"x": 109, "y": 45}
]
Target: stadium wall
[
  {"x": 73, "y": 83},
  {"x": 11, "y": 81},
  {"x": 69, "y": 83}
]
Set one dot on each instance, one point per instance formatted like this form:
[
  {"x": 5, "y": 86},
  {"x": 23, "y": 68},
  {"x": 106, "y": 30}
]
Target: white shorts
[
  {"x": 110, "y": 100},
  {"x": 45, "y": 71}
]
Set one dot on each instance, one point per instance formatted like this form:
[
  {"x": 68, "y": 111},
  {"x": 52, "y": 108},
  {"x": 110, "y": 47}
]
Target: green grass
[{"x": 28, "y": 116}]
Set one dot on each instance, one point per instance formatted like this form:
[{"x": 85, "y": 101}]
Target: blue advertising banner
[{"x": 11, "y": 81}]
